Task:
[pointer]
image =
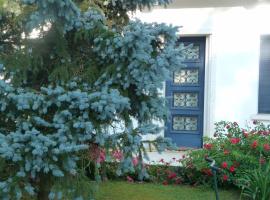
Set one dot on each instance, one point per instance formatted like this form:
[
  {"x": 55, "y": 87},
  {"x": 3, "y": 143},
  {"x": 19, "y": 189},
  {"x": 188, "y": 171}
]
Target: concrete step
[{"x": 167, "y": 157}]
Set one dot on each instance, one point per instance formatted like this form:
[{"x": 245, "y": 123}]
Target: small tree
[{"x": 83, "y": 81}]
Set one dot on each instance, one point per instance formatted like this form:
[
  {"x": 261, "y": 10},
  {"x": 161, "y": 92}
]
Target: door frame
[{"x": 209, "y": 85}]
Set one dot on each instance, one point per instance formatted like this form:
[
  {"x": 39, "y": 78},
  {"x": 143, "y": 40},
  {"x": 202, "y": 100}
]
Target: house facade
[{"x": 227, "y": 73}]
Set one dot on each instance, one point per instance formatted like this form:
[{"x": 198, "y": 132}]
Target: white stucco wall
[{"x": 233, "y": 41}]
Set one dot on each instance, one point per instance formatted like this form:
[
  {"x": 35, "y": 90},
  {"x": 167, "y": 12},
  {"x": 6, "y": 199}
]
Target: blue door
[{"x": 185, "y": 93}]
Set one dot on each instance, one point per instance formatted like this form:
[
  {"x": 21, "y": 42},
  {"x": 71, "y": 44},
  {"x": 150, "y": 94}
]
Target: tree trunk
[{"x": 44, "y": 187}]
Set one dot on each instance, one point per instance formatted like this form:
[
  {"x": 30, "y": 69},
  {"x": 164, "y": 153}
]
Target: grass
[{"x": 147, "y": 191}]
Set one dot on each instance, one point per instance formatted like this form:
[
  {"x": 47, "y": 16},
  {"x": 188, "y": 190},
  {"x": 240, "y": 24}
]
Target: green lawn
[{"x": 147, "y": 191}]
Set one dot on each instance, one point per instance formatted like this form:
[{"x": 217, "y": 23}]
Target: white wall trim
[
  {"x": 180, "y": 4},
  {"x": 261, "y": 117},
  {"x": 209, "y": 90}
]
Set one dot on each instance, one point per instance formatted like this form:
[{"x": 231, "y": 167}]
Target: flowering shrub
[
  {"x": 234, "y": 149},
  {"x": 157, "y": 173},
  {"x": 164, "y": 172}
]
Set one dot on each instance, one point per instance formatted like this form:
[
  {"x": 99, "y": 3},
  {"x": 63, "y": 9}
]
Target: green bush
[
  {"x": 255, "y": 184},
  {"x": 161, "y": 172},
  {"x": 234, "y": 149},
  {"x": 237, "y": 151}
]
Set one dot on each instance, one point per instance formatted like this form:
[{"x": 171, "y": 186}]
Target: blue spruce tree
[{"x": 81, "y": 82}]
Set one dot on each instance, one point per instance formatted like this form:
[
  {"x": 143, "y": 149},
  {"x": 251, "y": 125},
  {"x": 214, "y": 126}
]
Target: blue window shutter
[{"x": 264, "y": 76}]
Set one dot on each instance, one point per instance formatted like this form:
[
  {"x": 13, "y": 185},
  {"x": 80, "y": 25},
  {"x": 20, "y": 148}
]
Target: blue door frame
[{"x": 185, "y": 94}]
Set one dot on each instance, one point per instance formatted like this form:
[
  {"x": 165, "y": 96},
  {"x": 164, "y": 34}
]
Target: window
[{"x": 264, "y": 76}]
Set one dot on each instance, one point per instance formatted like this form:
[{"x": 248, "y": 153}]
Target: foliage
[
  {"x": 73, "y": 187},
  {"x": 63, "y": 114},
  {"x": 241, "y": 154},
  {"x": 78, "y": 90},
  {"x": 255, "y": 183},
  {"x": 166, "y": 173},
  {"x": 234, "y": 149},
  {"x": 116, "y": 10}
]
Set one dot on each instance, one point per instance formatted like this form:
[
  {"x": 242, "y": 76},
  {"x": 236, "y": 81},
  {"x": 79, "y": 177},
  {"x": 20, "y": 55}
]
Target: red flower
[
  {"x": 266, "y": 147},
  {"x": 245, "y": 133},
  {"x": 178, "y": 181},
  {"x": 172, "y": 175},
  {"x": 102, "y": 156},
  {"x": 254, "y": 144},
  {"x": 165, "y": 183},
  {"x": 208, "y": 172},
  {"x": 235, "y": 140},
  {"x": 224, "y": 165},
  {"x": 226, "y": 152},
  {"x": 161, "y": 160},
  {"x": 208, "y": 146},
  {"x": 167, "y": 164},
  {"x": 130, "y": 179},
  {"x": 225, "y": 177},
  {"x": 232, "y": 169},
  {"x": 255, "y": 122},
  {"x": 228, "y": 126},
  {"x": 117, "y": 155},
  {"x": 262, "y": 161},
  {"x": 135, "y": 161},
  {"x": 266, "y": 133}
]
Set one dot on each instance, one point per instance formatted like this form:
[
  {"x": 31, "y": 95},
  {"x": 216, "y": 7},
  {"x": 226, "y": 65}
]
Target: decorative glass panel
[
  {"x": 181, "y": 123},
  {"x": 185, "y": 99},
  {"x": 178, "y": 123},
  {"x": 191, "y": 52},
  {"x": 186, "y": 76}
]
